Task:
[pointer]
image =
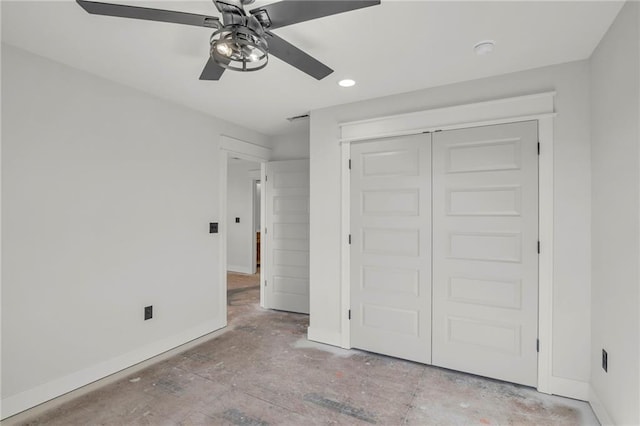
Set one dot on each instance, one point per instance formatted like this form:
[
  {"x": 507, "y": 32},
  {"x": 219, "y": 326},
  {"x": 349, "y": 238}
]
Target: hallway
[{"x": 263, "y": 371}]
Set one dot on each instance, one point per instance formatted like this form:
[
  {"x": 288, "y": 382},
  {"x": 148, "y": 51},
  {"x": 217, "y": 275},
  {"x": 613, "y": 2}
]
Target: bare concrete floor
[{"x": 263, "y": 371}]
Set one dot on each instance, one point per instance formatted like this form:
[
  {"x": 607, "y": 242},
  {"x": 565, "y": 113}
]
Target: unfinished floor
[{"x": 263, "y": 371}]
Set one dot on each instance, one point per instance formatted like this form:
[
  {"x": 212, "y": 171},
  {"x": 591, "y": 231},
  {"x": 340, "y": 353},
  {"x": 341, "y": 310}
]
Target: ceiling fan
[{"x": 243, "y": 41}]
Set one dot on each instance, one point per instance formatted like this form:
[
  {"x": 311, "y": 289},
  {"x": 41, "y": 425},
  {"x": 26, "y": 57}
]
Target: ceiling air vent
[{"x": 298, "y": 118}]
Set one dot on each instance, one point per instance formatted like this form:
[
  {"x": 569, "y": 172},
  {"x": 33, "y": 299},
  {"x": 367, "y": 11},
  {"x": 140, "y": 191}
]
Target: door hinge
[
  {"x": 349, "y": 163},
  {"x": 266, "y": 178},
  {"x": 349, "y": 238},
  {"x": 349, "y": 313},
  {"x": 538, "y": 148},
  {"x": 537, "y": 345},
  {"x": 538, "y": 247},
  {"x": 265, "y": 230},
  {"x": 265, "y": 283}
]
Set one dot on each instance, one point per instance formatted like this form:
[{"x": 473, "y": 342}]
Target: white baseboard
[
  {"x": 240, "y": 269},
  {"x": 127, "y": 363},
  {"x": 598, "y": 408},
  {"x": 570, "y": 388},
  {"x": 324, "y": 336}
]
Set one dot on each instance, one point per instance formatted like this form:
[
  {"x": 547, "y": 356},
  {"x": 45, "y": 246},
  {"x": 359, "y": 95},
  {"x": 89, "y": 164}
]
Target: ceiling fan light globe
[{"x": 224, "y": 49}]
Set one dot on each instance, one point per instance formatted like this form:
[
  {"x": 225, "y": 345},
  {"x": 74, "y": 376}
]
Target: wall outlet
[
  {"x": 213, "y": 227},
  {"x": 605, "y": 360},
  {"x": 148, "y": 312}
]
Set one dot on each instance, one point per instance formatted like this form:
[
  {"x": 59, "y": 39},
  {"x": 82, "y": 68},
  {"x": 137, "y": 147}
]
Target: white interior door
[
  {"x": 485, "y": 259},
  {"x": 286, "y": 257},
  {"x": 391, "y": 247}
]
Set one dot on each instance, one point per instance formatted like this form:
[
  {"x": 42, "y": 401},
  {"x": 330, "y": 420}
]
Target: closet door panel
[
  {"x": 485, "y": 260},
  {"x": 391, "y": 247}
]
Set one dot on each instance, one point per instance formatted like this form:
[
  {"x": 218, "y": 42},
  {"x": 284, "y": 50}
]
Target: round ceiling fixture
[
  {"x": 484, "y": 47},
  {"x": 347, "y": 82}
]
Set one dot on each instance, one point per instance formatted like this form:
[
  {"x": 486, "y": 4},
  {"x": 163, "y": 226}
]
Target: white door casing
[
  {"x": 485, "y": 256},
  {"x": 232, "y": 147},
  {"x": 538, "y": 106},
  {"x": 391, "y": 247},
  {"x": 286, "y": 250}
]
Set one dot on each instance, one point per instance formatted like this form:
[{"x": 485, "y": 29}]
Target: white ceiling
[{"x": 398, "y": 46}]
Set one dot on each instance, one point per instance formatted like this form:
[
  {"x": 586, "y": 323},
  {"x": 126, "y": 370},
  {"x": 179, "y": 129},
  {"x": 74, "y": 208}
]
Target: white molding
[
  {"x": 324, "y": 336},
  {"x": 223, "y": 220},
  {"x": 569, "y": 388},
  {"x": 545, "y": 259},
  {"x": 264, "y": 264},
  {"x": 245, "y": 150},
  {"x": 345, "y": 248},
  {"x": 127, "y": 363},
  {"x": 519, "y": 108},
  {"x": 538, "y": 107},
  {"x": 599, "y": 408},
  {"x": 512, "y": 119},
  {"x": 254, "y": 238}
]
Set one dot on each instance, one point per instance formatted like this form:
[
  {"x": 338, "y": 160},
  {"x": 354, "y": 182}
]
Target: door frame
[
  {"x": 255, "y": 180},
  {"x": 538, "y": 107},
  {"x": 232, "y": 147}
]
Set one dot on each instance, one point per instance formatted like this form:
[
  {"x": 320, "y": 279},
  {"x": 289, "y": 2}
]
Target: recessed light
[
  {"x": 484, "y": 47},
  {"x": 347, "y": 83}
]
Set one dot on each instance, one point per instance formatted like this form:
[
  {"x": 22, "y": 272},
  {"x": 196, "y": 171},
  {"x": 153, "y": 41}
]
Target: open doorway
[
  {"x": 243, "y": 236},
  {"x": 283, "y": 276}
]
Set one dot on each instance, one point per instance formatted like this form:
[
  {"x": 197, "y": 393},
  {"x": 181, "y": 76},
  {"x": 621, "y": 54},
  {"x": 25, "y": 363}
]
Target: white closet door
[
  {"x": 485, "y": 260},
  {"x": 286, "y": 260},
  {"x": 391, "y": 247}
]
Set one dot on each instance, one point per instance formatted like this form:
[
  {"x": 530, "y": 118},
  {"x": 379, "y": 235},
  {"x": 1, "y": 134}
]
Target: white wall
[
  {"x": 107, "y": 193},
  {"x": 571, "y": 328},
  {"x": 240, "y": 250},
  {"x": 294, "y": 146},
  {"x": 615, "y": 127}
]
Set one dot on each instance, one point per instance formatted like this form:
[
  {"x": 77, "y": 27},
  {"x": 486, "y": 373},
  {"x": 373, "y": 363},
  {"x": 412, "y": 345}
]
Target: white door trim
[
  {"x": 500, "y": 111},
  {"x": 232, "y": 147},
  {"x": 497, "y": 111}
]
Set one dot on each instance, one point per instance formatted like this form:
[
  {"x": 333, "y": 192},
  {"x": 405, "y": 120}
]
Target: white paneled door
[
  {"x": 391, "y": 247},
  {"x": 485, "y": 251},
  {"x": 286, "y": 260},
  {"x": 444, "y": 239}
]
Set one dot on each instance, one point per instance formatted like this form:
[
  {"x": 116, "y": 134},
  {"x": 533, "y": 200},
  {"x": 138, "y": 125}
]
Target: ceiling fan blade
[
  {"x": 290, "y": 54},
  {"x": 212, "y": 71},
  {"x": 289, "y": 12},
  {"x": 135, "y": 12}
]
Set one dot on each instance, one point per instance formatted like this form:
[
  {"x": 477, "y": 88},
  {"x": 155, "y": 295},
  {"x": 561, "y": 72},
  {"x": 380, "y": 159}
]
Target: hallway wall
[{"x": 107, "y": 195}]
